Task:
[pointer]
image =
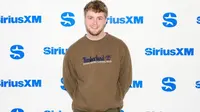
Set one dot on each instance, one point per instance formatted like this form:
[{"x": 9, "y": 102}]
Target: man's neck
[{"x": 96, "y": 38}]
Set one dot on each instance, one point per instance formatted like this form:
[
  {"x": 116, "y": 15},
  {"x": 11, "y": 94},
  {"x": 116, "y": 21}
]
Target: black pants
[{"x": 109, "y": 110}]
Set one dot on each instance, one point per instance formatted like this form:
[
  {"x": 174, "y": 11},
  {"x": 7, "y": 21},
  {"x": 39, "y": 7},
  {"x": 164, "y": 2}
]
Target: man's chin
[{"x": 94, "y": 33}]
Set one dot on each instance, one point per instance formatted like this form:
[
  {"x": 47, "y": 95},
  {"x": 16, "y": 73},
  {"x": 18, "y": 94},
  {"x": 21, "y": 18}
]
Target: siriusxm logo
[
  {"x": 21, "y": 83},
  {"x": 52, "y": 111},
  {"x": 121, "y": 110},
  {"x": 54, "y": 51},
  {"x": 198, "y": 84},
  {"x": 168, "y": 84},
  {"x": 68, "y": 19},
  {"x": 20, "y": 19},
  {"x": 125, "y": 20},
  {"x": 198, "y": 20},
  {"x": 170, "y": 19},
  {"x": 136, "y": 84},
  {"x": 17, "y": 110},
  {"x": 17, "y": 52},
  {"x": 169, "y": 52},
  {"x": 62, "y": 86}
]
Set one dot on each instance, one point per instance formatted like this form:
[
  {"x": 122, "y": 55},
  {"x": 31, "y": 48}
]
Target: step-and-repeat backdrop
[{"x": 163, "y": 38}]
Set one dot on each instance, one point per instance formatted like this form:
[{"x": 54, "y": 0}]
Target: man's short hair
[{"x": 97, "y": 6}]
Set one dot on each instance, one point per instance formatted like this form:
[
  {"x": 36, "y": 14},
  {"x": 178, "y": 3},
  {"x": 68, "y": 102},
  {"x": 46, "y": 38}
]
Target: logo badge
[
  {"x": 198, "y": 84},
  {"x": 168, "y": 84},
  {"x": 198, "y": 20},
  {"x": 17, "y": 52},
  {"x": 62, "y": 86},
  {"x": 17, "y": 110},
  {"x": 97, "y": 59},
  {"x": 68, "y": 19},
  {"x": 170, "y": 19}
]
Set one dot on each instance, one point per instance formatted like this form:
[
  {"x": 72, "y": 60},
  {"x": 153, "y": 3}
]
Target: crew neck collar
[{"x": 106, "y": 34}]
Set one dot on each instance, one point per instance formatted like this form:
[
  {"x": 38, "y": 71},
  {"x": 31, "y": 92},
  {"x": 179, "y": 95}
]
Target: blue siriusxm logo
[
  {"x": 137, "y": 84},
  {"x": 198, "y": 84},
  {"x": 198, "y": 20},
  {"x": 62, "y": 86},
  {"x": 54, "y": 50},
  {"x": 17, "y": 52},
  {"x": 125, "y": 20},
  {"x": 168, "y": 84},
  {"x": 21, "y": 19},
  {"x": 170, "y": 19},
  {"x": 21, "y": 83},
  {"x": 17, "y": 110},
  {"x": 169, "y": 52},
  {"x": 68, "y": 19},
  {"x": 52, "y": 111}
]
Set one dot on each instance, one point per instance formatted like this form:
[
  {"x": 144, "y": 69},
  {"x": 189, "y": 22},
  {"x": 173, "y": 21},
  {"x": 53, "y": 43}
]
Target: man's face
[{"x": 95, "y": 22}]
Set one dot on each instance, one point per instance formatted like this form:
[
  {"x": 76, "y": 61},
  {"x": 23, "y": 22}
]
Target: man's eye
[{"x": 100, "y": 18}]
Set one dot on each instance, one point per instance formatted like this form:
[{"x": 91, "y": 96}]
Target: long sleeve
[
  {"x": 125, "y": 78},
  {"x": 69, "y": 74}
]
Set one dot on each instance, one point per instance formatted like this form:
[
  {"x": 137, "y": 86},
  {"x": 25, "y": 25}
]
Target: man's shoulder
[
  {"x": 117, "y": 40},
  {"x": 78, "y": 42}
]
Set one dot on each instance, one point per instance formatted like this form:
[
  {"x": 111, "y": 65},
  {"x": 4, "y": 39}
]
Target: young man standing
[{"x": 97, "y": 69}]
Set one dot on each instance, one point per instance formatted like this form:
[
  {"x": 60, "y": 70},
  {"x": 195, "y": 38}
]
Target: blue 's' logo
[
  {"x": 198, "y": 84},
  {"x": 68, "y": 19},
  {"x": 137, "y": 84},
  {"x": 21, "y": 19},
  {"x": 169, "y": 52},
  {"x": 170, "y": 19},
  {"x": 125, "y": 20},
  {"x": 168, "y": 84},
  {"x": 198, "y": 20},
  {"x": 17, "y": 52},
  {"x": 21, "y": 83},
  {"x": 54, "y": 50},
  {"x": 62, "y": 86},
  {"x": 17, "y": 110}
]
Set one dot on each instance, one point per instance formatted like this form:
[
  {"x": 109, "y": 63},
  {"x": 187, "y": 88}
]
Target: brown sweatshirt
[{"x": 97, "y": 74}]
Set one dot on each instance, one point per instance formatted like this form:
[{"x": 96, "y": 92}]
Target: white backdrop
[{"x": 166, "y": 80}]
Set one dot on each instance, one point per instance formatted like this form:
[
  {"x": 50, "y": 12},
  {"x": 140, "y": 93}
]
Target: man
[{"x": 97, "y": 68}]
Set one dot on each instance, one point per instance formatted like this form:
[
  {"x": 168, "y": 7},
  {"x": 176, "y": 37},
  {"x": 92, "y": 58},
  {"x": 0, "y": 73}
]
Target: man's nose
[{"x": 95, "y": 21}]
